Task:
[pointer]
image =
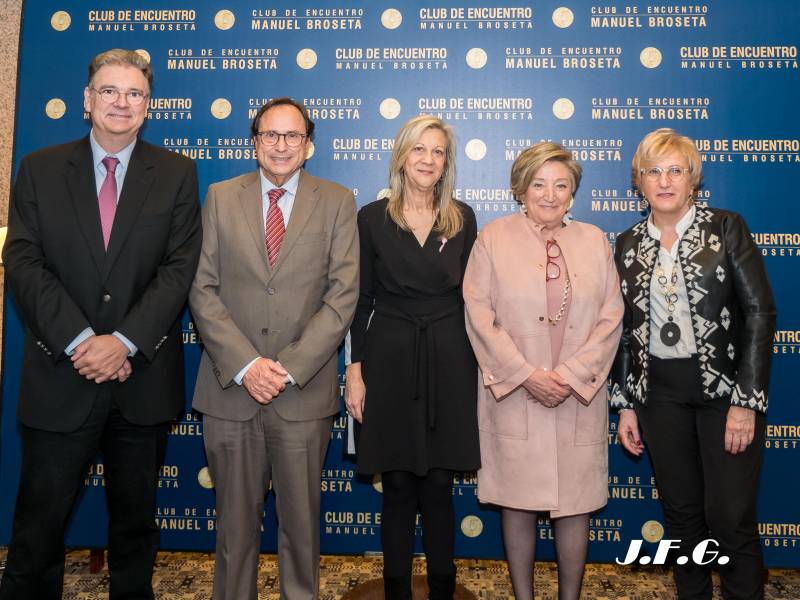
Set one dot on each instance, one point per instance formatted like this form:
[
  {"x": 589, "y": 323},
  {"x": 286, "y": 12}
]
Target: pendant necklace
[{"x": 670, "y": 332}]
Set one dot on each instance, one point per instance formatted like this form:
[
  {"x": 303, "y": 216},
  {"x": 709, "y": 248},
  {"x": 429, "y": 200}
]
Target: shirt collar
[
  {"x": 98, "y": 154},
  {"x": 290, "y": 186},
  {"x": 680, "y": 227}
]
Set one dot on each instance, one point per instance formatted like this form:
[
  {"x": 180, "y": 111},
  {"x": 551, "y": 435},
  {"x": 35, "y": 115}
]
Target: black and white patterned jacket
[{"x": 731, "y": 303}]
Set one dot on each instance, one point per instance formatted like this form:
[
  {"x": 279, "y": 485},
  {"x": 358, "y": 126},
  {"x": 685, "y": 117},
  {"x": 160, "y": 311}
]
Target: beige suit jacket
[{"x": 296, "y": 312}]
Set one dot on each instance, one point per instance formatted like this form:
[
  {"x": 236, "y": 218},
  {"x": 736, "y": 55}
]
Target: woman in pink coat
[{"x": 544, "y": 315}]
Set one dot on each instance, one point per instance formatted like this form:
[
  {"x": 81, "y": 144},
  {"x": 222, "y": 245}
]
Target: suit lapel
[
  {"x": 252, "y": 206},
  {"x": 692, "y": 243},
  {"x": 304, "y": 203},
  {"x": 138, "y": 180},
  {"x": 83, "y": 194}
]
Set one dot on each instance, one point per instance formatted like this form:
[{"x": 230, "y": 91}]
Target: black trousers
[
  {"x": 54, "y": 466},
  {"x": 706, "y": 492}
]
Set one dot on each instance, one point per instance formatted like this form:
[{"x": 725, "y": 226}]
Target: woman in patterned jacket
[{"x": 693, "y": 365}]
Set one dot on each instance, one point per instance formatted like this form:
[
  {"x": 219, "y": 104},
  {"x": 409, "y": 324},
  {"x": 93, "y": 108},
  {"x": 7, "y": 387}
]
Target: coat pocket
[
  {"x": 506, "y": 418},
  {"x": 313, "y": 237},
  {"x": 591, "y": 422}
]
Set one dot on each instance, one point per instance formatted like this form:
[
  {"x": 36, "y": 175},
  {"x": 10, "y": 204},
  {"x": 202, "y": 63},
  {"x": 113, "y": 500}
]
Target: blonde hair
[
  {"x": 661, "y": 142},
  {"x": 449, "y": 220},
  {"x": 532, "y": 159}
]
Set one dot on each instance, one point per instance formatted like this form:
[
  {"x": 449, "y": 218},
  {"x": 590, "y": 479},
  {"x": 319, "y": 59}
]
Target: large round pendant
[{"x": 670, "y": 334}]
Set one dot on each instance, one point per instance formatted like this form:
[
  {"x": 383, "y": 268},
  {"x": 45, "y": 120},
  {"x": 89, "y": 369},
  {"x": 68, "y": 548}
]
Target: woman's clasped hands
[{"x": 547, "y": 388}]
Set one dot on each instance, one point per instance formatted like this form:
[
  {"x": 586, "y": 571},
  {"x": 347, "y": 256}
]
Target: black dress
[{"x": 418, "y": 367}]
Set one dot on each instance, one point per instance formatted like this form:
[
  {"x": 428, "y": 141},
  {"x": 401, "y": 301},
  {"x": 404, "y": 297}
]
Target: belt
[{"x": 423, "y": 330}]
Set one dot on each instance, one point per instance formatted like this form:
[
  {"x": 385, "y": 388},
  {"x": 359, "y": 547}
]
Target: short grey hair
[{"x": 119, "y": 56}]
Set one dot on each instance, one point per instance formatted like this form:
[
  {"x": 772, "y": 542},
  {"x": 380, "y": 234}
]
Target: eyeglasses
[
  {"x": 110, "y": 95},
  {"x": 552, "y": 270},
  {"x": 270, "y": 138},
  {"x": 675, "y": 173}
]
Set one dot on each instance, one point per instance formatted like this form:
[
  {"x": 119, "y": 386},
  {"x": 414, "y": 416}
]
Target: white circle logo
[
  {"x": 391, "y": 18},
  {"x": 306, "y": 58},
  {"x": 60, "y": 21},
  {"x": 221, "y": 108},
  {"x": 471, "y": 526},
  {"x": 652, "y": 531},
  {"x": 476, "y": 58},
  {"x": 224, "y": 20},
  {"x": 563, "y": 108},
  {"x": 144, "y": 54},
  {"x": 377, "y": 483},
  {"x": 475, "y": 149},
  {"x": 55, "y": 108},
  {"x": 390, "y": 108},
  {"x": 650, "y": 57},
  {"x": 563, "y": 17},
  {"x": 204, "y": 478}
]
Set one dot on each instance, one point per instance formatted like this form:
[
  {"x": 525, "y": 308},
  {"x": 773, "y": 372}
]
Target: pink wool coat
[{"x": 534, "y": 457}]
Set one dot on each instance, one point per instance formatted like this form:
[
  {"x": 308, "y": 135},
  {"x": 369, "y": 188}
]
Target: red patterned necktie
[
  {"x": 107, "y": 199},
  {"x": 275, "y": 227}
]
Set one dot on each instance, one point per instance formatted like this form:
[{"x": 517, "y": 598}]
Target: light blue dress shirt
[{"x": 124, "y": 158}]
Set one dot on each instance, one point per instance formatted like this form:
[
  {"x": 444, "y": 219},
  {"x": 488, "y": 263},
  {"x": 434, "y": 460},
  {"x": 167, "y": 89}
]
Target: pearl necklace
[{"x": 560, "y": 314}]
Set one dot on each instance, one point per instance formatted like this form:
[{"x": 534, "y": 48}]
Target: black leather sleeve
[
  {"x": 621, "y": 368},
  {"x": 757, "y": 307}
]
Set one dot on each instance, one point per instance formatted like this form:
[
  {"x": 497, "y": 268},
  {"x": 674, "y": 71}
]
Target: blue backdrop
[{"x": 593, "y": 75}]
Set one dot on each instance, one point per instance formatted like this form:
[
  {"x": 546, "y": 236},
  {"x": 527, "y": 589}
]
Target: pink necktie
[
  {"x": 275, "y": 227},
  {"x": 108, "y": 198}
]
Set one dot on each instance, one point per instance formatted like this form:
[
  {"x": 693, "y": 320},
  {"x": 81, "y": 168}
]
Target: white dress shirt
[
  {"x": 659, "y": 313},
  {"x": 285, "y": 203}
]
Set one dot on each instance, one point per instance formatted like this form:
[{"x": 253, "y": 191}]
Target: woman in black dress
[{"x": 411, "y": 383}]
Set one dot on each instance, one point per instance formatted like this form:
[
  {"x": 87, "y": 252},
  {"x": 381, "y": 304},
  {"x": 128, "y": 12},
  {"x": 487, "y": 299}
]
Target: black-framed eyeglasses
[
  {"x": 270, "y": 138},
  {"x": 675, "y": 173},
  {"x": 109, "y": 95},
  {"x": 552, "y": 270}
]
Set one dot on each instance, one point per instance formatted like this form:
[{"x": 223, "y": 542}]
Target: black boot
[
  {"x": 397, "y": 588},
  {"x": 441, "y": 587}
]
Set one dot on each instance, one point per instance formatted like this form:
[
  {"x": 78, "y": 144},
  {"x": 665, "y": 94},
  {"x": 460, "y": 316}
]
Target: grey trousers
[{"x": 242, "y": 457}]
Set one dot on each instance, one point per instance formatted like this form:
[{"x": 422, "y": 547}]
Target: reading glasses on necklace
[
  {"x": 270, "y": 138},
  {"x": 552, "y": 270},
  {"x": 674, "y": 173},
  {"x": 109, "y": 95}
]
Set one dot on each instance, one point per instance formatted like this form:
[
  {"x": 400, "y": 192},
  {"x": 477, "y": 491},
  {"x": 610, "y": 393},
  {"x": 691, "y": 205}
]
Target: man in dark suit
[
  {"x": 274, "y": 295},
  {"x": 103, "y": 242}
]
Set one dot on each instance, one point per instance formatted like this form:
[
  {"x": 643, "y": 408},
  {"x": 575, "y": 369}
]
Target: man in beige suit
[{"x": 274, "y": 295}]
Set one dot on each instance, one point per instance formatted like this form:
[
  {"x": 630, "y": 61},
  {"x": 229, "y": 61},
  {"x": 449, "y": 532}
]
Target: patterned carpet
[{"x": 188, "y": 576}]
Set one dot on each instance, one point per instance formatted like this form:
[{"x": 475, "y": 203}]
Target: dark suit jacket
[{"x": 64, "y": 280}]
